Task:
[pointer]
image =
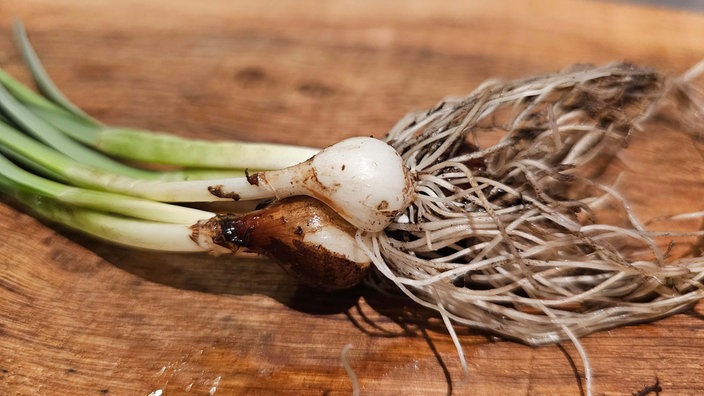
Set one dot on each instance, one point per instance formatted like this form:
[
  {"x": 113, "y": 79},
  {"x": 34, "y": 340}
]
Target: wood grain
[{"x": 78, "y": 316}]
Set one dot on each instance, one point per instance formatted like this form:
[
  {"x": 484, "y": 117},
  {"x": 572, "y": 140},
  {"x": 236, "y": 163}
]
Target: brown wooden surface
[{"x": 82, "y": 317}]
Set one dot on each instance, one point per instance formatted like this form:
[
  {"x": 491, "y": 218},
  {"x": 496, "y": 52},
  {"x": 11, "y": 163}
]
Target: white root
[{"x": 513, "y": 236}]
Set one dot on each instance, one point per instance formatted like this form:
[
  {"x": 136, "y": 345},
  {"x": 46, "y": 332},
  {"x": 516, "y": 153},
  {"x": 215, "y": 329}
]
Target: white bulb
[{"x": 363, "y": 179}]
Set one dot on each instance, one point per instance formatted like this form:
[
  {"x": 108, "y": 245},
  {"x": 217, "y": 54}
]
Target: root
[{"x": 518, "y": 227}]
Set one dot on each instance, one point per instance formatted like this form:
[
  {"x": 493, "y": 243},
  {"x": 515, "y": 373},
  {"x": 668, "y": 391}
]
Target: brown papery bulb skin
[{"x": 305, "y": 236}]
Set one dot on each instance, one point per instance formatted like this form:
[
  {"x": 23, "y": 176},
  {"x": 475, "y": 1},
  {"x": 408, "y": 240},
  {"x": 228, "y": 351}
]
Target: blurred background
[
  {"x": 695, "y": 5},
  {"x": 79, "y": 316}
]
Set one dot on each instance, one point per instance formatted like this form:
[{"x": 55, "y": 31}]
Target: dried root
[{"x": 515, "y": 230}]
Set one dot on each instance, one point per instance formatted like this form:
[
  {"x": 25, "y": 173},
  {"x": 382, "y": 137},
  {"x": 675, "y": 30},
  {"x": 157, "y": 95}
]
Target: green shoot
[
  {"x": 46, "y": 85},
  {"x": 119, "y": 230},
  {"x": 17, "y": 178},
  {"x": 80, "y": 174},
  {"x": 136, "y": 144}
]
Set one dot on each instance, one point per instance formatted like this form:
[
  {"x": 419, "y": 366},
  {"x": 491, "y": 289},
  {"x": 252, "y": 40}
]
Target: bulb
[
  {"x": 363, "y": 179},
  {"x": 305, "y": 236}
]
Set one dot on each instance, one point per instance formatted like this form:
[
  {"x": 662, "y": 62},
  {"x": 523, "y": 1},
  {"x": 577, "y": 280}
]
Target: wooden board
[{"x": 78, "y": 316}]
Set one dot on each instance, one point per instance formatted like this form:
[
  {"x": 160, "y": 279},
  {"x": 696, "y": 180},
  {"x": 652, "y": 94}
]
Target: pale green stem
[
  {"x": 140, "y": 234},
  {"x": 86, "y": 176},
  {"x": 47, "y": 133},
  {"x": 30, "y": 164},
  {"x": 112, "y": 166},
  {"x": 31, "y": 98},
  {"x": 18, "y": 178},
  {"x": 168, "y": 149}
]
